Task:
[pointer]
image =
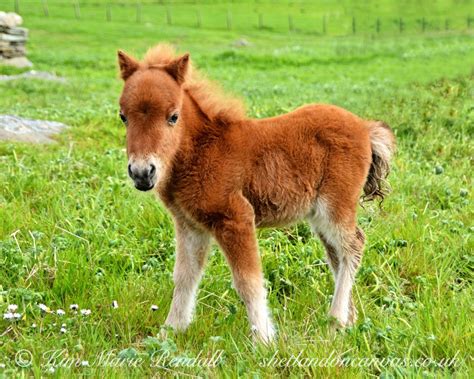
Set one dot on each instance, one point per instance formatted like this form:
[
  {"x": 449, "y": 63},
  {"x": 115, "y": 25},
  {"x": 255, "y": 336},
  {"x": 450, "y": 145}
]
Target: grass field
[{"x": 74, "y": 231}]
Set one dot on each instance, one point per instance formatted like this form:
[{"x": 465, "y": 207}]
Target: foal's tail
[{"x": 382, "y": 140}]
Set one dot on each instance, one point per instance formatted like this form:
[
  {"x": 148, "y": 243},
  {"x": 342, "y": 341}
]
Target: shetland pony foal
[{"x": 222, "y": 174}]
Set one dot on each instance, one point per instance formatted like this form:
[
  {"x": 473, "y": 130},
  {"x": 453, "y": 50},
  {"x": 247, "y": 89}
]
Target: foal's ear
[
  {"x": 127, "y": 64},
  {"x": 179, "y": 68}
]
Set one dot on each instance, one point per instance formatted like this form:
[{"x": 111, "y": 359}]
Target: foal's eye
[
  {"x": 123, "y": 118},
  {"x": 173, "y": 119}
]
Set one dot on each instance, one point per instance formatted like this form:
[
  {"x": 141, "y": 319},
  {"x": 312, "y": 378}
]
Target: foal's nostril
[
  {"x": 130, "y": 171},
  {"x": 152, "y": 169}
]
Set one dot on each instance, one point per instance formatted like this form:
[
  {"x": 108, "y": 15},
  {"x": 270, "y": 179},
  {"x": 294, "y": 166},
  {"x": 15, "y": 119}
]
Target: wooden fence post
[
  {"x": 77, "y": 10},
  {"x": 229, "y": 20},
  {"x": 45, "y": 7},
  {"x": 198, "y": 19},
  {"x": 400, "y": 25},
  {"x": 108, "y": 12}
]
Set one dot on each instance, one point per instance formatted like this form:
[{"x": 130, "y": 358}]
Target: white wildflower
[
  {"x": 74, "y": 307},
  {"x": 12, "y": 308},
  {"x": 43, "y": 307},
  {"x": 154, "y": 307},
  {"x": 51, "y": 370},
  {"x": 115, "y": 304},
  {"x": 60, "y": 312},
  {"x": 2, "y": 365},
  {"x": 11, "y": 316},
  {"x": 85, "y": 312},
  {"x": 85, "y": 363},
  {"x": 63, "y": 330},
  {"x": 33, "y": 325}
]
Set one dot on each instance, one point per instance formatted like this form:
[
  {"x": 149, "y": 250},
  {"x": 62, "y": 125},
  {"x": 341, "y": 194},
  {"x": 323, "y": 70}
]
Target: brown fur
[{"x": 225, "y": 174}]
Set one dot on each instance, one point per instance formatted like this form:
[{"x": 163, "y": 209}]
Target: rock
[
  {"x": 242, "y": 42},
  {"x": 10, "y": 19},
  {"x": 14, "y": 31},
  {"x": 12, "y": 37},
  {"x": 12, "y": 41},
  {"x": 33, "y": 75},
  {"x": 26, "y": 130},
  {"x": 19, "y": 62}
]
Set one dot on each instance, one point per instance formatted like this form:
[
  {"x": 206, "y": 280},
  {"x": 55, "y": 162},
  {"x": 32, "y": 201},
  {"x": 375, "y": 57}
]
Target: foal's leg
[
  {"x": 350, "y": 252},
  {"x": 192, "y": 248},
  {"x": 237, "y": 238},
  {"x": 344, "y": 243},
  {"x": 333, "y": 261}
]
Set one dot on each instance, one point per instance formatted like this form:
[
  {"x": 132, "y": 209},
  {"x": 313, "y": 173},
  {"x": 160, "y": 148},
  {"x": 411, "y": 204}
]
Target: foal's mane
[{"x": 214, "y": 103}]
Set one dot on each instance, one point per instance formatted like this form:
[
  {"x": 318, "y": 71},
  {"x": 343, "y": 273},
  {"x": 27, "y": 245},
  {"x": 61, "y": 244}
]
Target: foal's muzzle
[{"x": 143, "y": 176}]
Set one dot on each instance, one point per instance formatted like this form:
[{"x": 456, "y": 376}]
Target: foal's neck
[{"x": 194, "y": 117}]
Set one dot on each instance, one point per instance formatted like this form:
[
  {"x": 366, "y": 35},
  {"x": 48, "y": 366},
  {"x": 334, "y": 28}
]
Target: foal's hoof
[
  {"x": 266, "y": 337},
  {"x": 165, "y": 332},
  {"x": 336, "y": 324}
]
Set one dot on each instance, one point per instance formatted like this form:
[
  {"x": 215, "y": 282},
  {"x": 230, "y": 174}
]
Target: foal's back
[{"x": 294, "y": 158}]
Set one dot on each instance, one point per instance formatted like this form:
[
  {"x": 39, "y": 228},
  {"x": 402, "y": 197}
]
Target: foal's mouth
[{"x": 144, "y": 187}]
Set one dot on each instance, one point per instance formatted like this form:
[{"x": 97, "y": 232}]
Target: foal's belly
[
  {"x": 280, "y": 209},
  {"x": 283, "y": 185}
]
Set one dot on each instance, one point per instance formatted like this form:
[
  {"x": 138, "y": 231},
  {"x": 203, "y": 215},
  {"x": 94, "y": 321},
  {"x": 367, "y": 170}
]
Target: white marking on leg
[
  {"x": 254, "y": 297},
  {"x": 191, "y": 256},
  {"x": 259, "y": 317},
  {"x": 342, "y": 293},
  {"x": 321, "y": 222}
]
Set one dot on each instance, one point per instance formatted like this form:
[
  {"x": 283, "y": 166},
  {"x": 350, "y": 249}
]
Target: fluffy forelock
[{"x": 212, "y": 100}]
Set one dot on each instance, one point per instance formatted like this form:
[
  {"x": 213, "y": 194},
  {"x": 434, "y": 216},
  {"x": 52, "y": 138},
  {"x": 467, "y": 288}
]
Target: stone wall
[{"x": 13, "y": 40}]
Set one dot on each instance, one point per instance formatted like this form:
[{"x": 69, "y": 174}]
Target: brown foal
[{"x": 222, "y": 174}]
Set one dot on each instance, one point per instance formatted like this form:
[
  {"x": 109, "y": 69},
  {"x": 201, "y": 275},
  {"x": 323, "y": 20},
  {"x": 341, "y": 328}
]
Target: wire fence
[{"x": 239, "y": 16}]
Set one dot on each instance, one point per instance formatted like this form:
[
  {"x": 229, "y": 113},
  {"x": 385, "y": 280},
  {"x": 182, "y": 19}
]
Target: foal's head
[{"x": 150, "y": 107}]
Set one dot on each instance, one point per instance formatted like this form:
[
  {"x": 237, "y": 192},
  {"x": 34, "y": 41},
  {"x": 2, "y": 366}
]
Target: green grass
[
  {"x": 73, "y": 230},
  {"x": 309, "y": 17}
]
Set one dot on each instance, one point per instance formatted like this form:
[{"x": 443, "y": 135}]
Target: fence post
[
  {"x": 198, "y": 19},
  {"x": 353, "y": 25},
  {"x": 324, "y": 24},
  {"x": 290, "y": 23},
  {"x": 17, "y": 6},
  {"x": 45, "y": 8},
  {"x": 260, "y": 21},
  {"x": 108, "y": 12},
  {"x": 77, "y": 10},
  {"x": 139, "y": 13},
  {"x": 400, "y": 25},
  {"x": 168, "y": 16},
  {"x": 229, "y": 20}
]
